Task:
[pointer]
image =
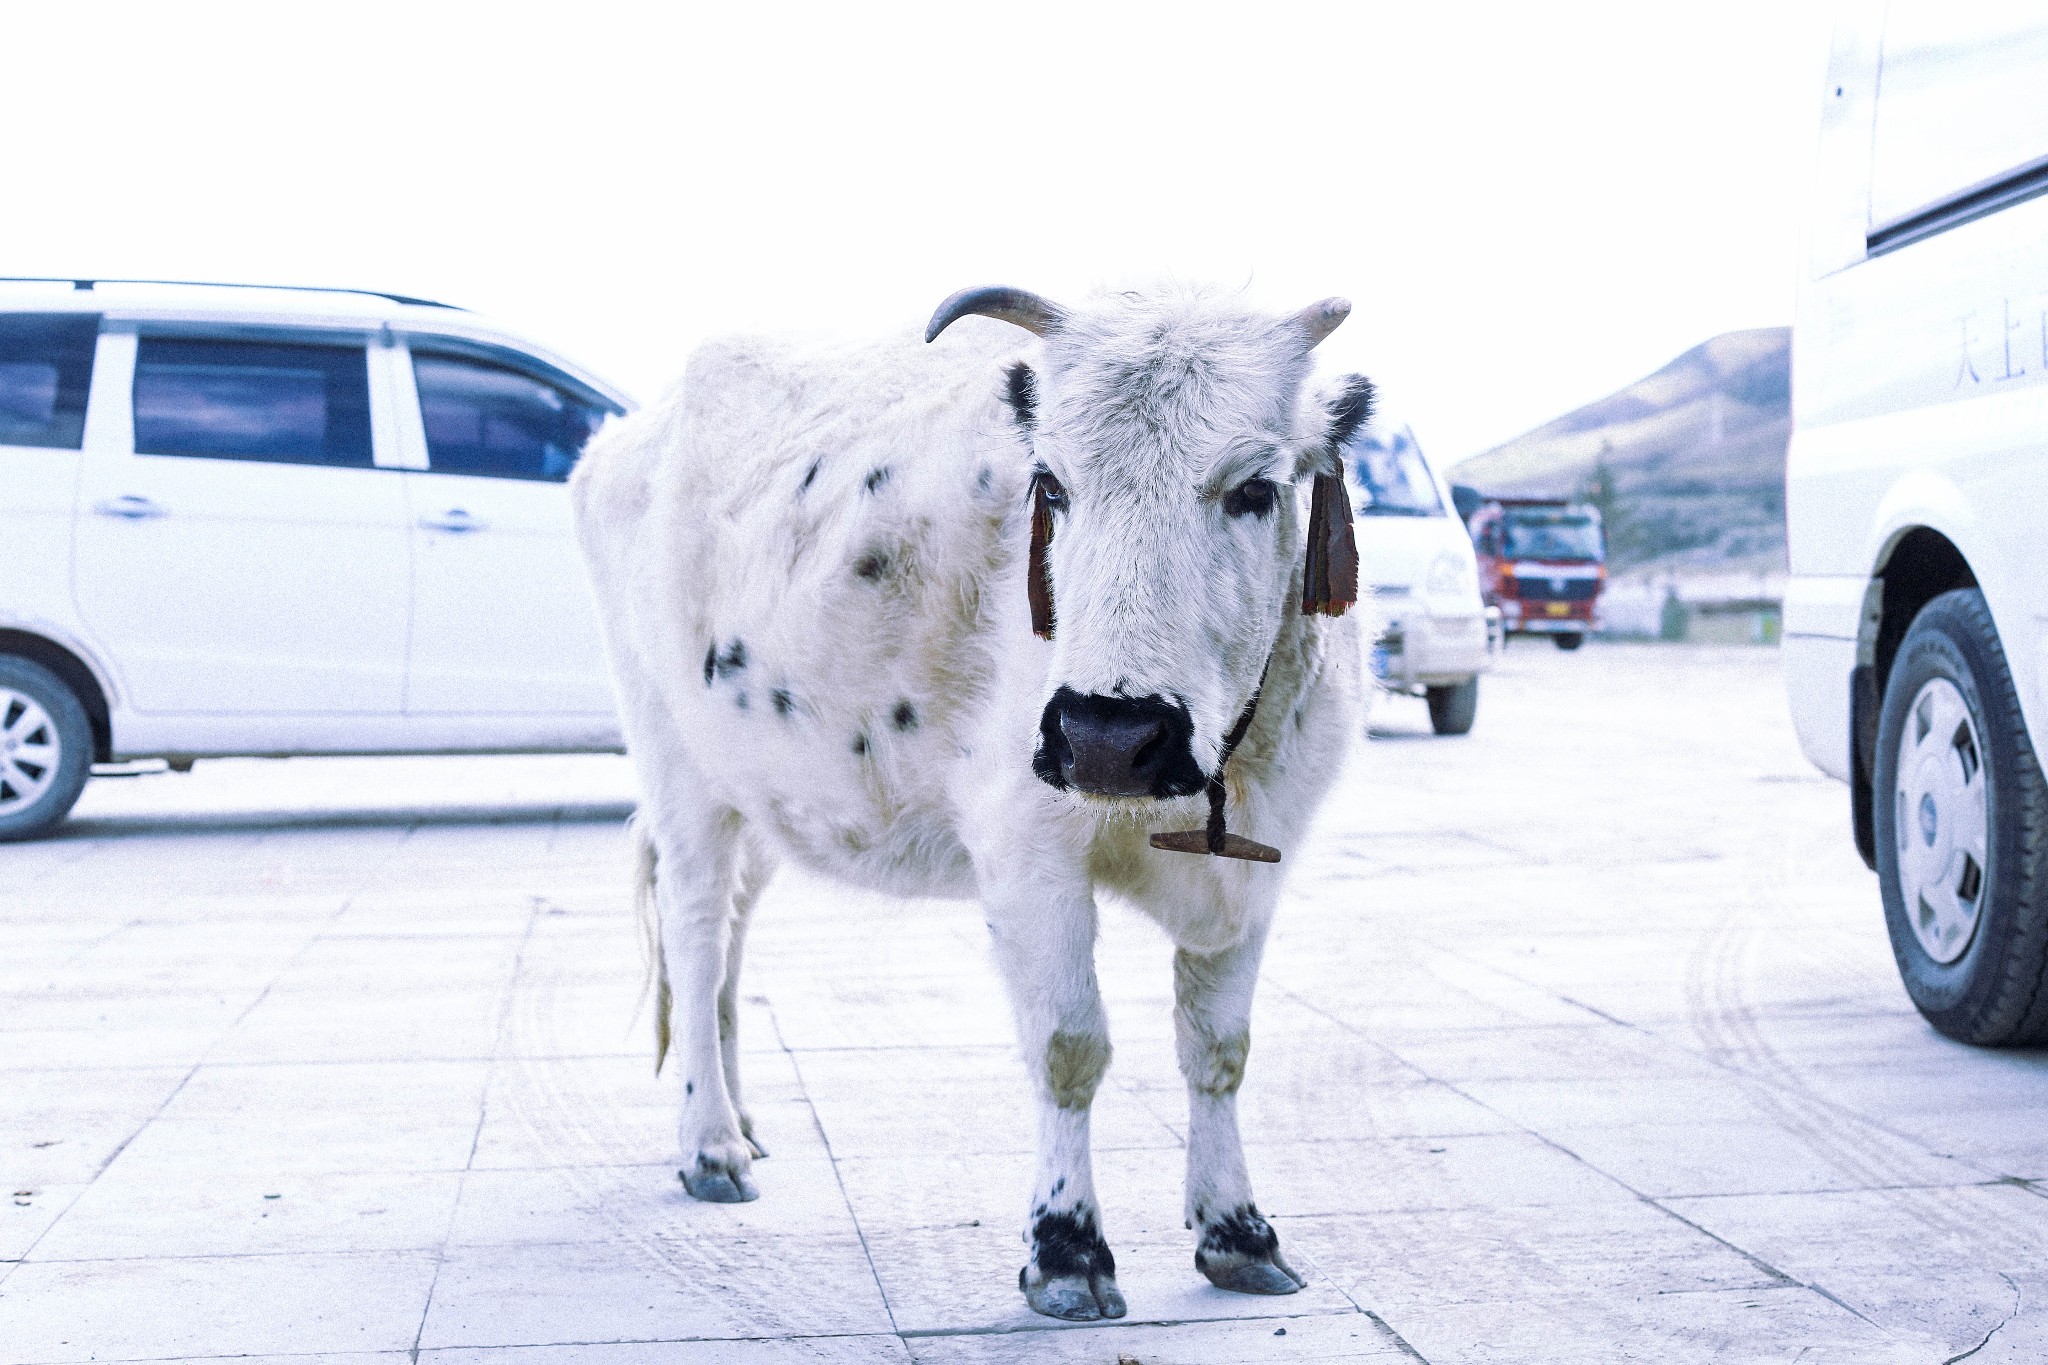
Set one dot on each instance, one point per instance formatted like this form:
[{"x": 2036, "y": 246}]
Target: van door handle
[
  {"x": 130, "y": 506},
  {"x": 454, "y": 519}
]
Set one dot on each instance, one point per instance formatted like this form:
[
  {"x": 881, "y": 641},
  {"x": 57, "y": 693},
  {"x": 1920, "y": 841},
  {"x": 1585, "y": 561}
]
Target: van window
[
  {"x": 1391, "y": 476},
  {"x": 494, "y": 421},
  {"x": 277, "y": 402},
  {"x": 1959, "y": 105},
  {"x": 45, "y": 375}
]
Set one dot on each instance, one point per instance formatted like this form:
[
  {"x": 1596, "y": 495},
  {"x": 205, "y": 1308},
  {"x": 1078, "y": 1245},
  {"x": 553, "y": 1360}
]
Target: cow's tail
[{"x": 648, "y": 916}]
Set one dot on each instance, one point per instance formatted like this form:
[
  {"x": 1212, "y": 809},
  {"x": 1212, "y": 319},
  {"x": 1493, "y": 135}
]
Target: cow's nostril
[{"x": 1147, "y": 754}]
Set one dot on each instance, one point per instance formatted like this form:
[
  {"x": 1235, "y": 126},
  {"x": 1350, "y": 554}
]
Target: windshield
[
  {"x": 1553, "y": 535},
  {"x": 1392, "y": 479}
]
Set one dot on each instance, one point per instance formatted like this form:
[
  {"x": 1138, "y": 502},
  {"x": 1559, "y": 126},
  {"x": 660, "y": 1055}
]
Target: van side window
[
  {"x": 45, "y": 374},
  {"x": 277, "y": 402},
  {"x": 1960, "y": 127},
  {"x": 494, "y": 421}
]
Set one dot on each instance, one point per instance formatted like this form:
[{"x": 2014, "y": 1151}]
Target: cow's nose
[{"x": 1117, "y": 746}]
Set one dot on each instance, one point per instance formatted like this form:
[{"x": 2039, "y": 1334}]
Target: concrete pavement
[{"x": 1579, "y": 1041}]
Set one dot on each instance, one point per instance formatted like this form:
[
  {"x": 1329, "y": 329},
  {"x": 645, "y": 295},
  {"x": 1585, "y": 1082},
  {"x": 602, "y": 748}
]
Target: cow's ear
[
  {"x": 1337, "y": 409},
  {"x": 1020, "y": 391},
  {"x": 1349, "y": 408}
]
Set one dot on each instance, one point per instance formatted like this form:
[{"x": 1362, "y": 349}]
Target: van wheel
[
  {"x": 45, "y": 749},
  {"x": 1452, "y": 709},
  {"x": 1961, "y": 817},
  {"x": 1572, "y": 641}
]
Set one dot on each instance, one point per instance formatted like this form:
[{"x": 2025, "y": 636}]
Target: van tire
[
  {"x": 38, "y": 713},
  {"x": 1452, "y": 709},
  {"x": 1994, "y": 991},
  {"x": 1570, "y": 641}
]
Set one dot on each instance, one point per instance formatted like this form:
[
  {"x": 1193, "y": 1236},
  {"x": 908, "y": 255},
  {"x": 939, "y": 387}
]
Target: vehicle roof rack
[{"x": 85, "y": 284}]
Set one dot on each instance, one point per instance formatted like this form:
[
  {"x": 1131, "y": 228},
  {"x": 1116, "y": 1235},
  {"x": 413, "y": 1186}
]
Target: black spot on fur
[
  {"x": 810, "y": 476},
  {"x": 1241, "y": 1232},
  {"x": 689, "y": 1087},
  {"x": 782, "y": 701},
  {"x": 985, "y": 480},
  {"x": 733, "y": 660},
  {"x": 872, "y": 566},
  {"x": 1058, "y": 1185},
  {"x": 1020, "y": 391},
  {"x": 1352, "y": 410},
  {"x": 860, "y": 744},
  {"x": 876, "y": 478},
  {"x": 740, "y": 701},
  {"x": 904, "y": 717},
  {"x": 710, "y": 661},
  {"x": 1069, "y": 1244}
]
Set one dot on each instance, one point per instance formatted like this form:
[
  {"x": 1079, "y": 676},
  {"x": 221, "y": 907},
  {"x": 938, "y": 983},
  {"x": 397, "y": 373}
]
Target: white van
[
  {"x": 1916, "y": 616},
  {"x": 1418, "y": 572},
  {"x": 275, "y": 521}
]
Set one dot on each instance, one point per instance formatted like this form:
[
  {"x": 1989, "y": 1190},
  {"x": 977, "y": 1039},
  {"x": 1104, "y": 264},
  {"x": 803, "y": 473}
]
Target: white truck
[{"x": 1916, "y": 615}]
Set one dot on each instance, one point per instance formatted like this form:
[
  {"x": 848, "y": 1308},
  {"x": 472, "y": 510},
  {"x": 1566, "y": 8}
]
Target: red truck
[{"x": 1542, "y": 561}]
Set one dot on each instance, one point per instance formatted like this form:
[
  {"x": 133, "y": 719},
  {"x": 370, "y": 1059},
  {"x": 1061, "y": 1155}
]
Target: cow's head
[{"x": 1174, "y": 437}]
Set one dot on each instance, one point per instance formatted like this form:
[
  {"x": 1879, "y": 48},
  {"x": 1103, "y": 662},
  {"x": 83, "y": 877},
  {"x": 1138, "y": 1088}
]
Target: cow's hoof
[
  {"x": 1073, "y": 1297},
  {"x": 718, "y": 1182},
  {"x": 754, "y": 1146},
  {"x": 1272, "y": 1275}
]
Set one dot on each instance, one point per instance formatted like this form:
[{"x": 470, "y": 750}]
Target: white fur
[{"x": 888, "y": 614}]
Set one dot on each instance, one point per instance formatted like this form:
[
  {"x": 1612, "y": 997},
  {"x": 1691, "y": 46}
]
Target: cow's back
[{"x": 795, "y": 554}]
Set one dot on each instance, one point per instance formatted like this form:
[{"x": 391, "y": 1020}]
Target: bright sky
[{"x": 1530, "y": 205}]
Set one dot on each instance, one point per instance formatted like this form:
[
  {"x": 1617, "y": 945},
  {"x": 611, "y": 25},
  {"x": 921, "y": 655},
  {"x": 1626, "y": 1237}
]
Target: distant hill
[{"x": 1687, "y": 465}]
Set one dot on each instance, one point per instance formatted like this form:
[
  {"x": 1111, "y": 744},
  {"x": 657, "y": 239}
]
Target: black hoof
[
  {"x": 717, "y": 1183},
  {"x": 1074, "y": 1298},
  {"x": 1256, "y": 1277},
  {"x": 1241, "y": 1252}
]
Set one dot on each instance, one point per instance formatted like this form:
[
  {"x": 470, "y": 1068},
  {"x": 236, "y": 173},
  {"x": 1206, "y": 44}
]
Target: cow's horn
[
  {"x": 1018, "y": 306},
  {"x": 1318, "y": 320}
]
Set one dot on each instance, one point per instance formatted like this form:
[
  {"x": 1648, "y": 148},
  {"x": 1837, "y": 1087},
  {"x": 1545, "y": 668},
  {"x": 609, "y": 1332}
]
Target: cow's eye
[
  {"x": 1252, "y": 498},
  {"x": 1055, "y": 491}
]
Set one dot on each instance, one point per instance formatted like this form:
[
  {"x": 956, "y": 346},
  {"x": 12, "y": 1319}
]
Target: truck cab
[{"x": 1543, "y": 562}]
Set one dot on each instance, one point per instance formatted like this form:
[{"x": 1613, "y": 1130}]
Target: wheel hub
[
  {"x": 29, "y": 750},
  {"x": 1941, "y": 798}
]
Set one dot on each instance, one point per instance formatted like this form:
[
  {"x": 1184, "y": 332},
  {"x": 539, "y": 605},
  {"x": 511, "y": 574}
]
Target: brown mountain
[{"x": 1687, "y": 465}]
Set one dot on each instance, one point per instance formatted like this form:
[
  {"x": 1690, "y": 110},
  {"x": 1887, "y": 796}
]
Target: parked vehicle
[
  {"x": 282, "y": 521},
  {"x": 1916, "y": 615},
  {"x": 1416, "y": 563},
  {"x": 1542, "y": 561}
]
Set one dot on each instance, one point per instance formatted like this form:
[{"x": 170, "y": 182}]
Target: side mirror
[{"x": 1467, "y": 500}]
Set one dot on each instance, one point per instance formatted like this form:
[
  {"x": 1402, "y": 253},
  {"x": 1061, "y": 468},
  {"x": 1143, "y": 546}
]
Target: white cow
[{"x": 820, "y": 569}]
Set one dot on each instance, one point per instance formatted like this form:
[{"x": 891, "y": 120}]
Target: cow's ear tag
[
  {"x": 1039, "y": 571},
  {"x": 1329, "y": 579}
]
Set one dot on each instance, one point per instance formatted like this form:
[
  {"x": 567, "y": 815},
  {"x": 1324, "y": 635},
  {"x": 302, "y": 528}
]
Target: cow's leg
[
  {"x": 1235, "y": 1247},
  {"x": 1046, "y": 952},
  {"x": 755, "y": 870},
  {"x": 697, "y": 850}
]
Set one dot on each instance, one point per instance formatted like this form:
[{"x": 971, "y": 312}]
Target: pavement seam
[
  {"x": 2010, "y": 1314},
  {"x": 176, "y": 1090},
  {"x": 511, "y": 993},
  {"x": 838, "y": 1179}
]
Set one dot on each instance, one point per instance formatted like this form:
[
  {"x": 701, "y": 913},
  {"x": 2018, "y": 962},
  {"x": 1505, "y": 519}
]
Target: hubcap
[
  {"x": 29, "y": 750},
  {"x": 1941, "y": 821}
]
